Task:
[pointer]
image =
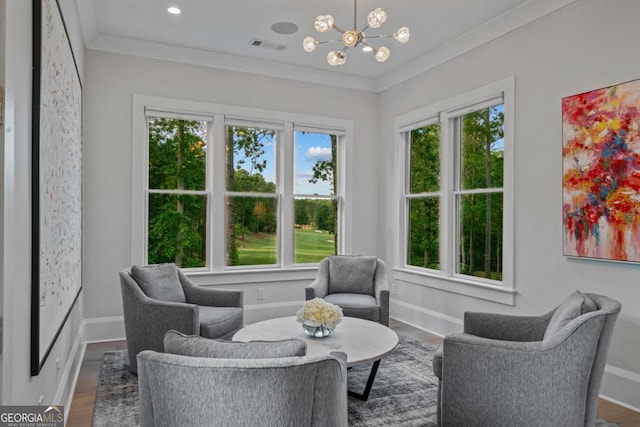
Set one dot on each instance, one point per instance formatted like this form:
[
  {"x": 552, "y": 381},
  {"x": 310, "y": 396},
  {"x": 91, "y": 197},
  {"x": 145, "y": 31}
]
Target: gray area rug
[{"x": 403, "y": 394}]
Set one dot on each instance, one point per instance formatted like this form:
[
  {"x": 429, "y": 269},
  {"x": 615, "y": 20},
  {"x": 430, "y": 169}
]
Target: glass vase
[{"x": 317, "y": 330}]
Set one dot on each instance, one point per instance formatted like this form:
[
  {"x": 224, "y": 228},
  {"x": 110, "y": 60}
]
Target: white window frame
[
  {"x": 222, "y": 115},
  {"x": 446, "y": 278}
]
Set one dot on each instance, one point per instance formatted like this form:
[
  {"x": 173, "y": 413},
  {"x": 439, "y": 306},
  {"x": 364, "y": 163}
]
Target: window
[
  {"x": 252, "y": 196},
  {"x": 458, "y": 191},
  {"x": 316, "y": 196},
  {"x": 423, "y": 198},
  {"x": 478, "y": 138},
  {"x": 225, "y": 191},
  {"x": 177, "y": 196}
]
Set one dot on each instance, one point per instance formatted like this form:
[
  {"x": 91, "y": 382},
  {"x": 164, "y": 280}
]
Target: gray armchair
[
  {"x": 215, "y": 390},
  {"x": 518, "y": 370},
  {"x": 160, "y": 297},
  {"x": 357, "y": 284}
]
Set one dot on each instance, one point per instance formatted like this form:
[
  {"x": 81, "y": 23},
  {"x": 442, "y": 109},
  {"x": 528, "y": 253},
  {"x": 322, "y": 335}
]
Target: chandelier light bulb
[
  {"x": 377, "y": 17},
  {"x": 402, "y": 35},
  {"x": 323, "y": 23},
  {"x": 382, "y": 54},
  {"x": 309, "y": 44},
  {"x": 350, "y": 38},
  {"x": 336, "y": 58}
]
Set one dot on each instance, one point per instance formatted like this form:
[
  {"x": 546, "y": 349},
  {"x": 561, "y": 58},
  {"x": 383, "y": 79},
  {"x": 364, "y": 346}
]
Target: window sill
[
  {"x": 455, "y": 285},
  {"x": 249, "y": 276}
]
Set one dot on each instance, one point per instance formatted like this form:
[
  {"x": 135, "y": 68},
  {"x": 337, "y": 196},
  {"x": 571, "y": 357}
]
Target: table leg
[{"x": 372, "y": 376}]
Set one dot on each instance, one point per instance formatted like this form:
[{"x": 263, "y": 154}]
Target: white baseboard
[
  {"x": 102, "y": 329},
  {"x": 428, "y": 320},
  {"x": 619, "y": 386},
  {"x": 69, "y": 378}
]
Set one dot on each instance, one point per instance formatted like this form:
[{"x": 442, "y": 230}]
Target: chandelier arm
[
  {"x": 380, "y": 36},
  {"x": 328, "y": 41},
  {"x": 338, "y": 29},
  {"x": 355, "y": 14}
]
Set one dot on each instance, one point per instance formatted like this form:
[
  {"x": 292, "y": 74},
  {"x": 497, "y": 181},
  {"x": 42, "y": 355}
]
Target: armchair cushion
[
  {"x": 353, "y": 274},
  {"x": 576, "y": 304},
  {"x": 159, "y": 282},
  {"x": 356, "y": 305},
  {"x": 219, "y": 322},
  {"x": 196, "y": 346}
]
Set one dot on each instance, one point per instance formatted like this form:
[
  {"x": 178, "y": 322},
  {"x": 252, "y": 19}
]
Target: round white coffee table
[{"x": 362, "y": 340}]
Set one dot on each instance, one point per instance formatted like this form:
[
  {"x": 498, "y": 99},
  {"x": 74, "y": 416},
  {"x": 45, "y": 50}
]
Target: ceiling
[{"x": 219, "y": 33}]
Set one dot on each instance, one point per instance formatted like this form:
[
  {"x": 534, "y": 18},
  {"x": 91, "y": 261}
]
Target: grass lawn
[
  {"x": 260, "y": 248},
  {"x": 313, "y": 245}
]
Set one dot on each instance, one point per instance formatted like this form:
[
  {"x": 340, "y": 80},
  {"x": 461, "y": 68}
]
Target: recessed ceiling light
[
  {"x": 284, "y": 28},
  {"x": 173, "y": 10}
]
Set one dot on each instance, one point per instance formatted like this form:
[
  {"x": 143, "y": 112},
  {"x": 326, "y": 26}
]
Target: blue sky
[{"x": 309, "y": 148}]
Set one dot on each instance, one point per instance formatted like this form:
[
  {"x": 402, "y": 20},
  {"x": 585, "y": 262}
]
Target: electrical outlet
[
  {"x": 40, "y": 400},
  {"x": 260, "y": 294}
]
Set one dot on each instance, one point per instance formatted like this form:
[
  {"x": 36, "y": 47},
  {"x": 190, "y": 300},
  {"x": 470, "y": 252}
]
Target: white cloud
[
  {"x": 304, "y": 175},
  {"x": 318, "y": 153}
]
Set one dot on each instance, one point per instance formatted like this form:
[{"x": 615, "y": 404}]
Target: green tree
[
  {"x": 424, "y": 177},
  {"x": 246, "y": 145},
  {"x": 303, "y": 211},
  {"x": 177, "y": 222},
  {"x": 326, "y": 170},
  {"x": 482, "y": 166}
]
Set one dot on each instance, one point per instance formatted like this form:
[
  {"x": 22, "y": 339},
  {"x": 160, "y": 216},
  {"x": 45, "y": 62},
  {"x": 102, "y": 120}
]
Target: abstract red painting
[{"x": 601, "y": 173}]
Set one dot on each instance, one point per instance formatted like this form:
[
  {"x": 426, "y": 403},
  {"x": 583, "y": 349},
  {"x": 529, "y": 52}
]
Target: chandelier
[{"x": 354, "y": 38}]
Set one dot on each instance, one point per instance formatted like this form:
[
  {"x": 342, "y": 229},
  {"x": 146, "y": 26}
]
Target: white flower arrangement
[{"x": 321, "y": 312}]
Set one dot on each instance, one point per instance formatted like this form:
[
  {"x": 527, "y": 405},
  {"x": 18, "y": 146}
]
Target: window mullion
[
  {"x": 478, "y": 191},
  {"x": 251, "y": 194},
  {"x": 217, "y": 184},
  {"x": 447, "y": 182},
  {"x": 184, "y": 192},
  {"x": 406, "y": 189},
  {"x": 287, "y": 214},
  {"x": 423, "y": 195}
]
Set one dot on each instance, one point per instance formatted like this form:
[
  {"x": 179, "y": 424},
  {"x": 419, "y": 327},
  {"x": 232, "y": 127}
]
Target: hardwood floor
[
  {"x": 84, "y": 396},
  {"x": 81, "y": 412}
]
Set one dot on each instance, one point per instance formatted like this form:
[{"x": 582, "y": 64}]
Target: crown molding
[{"x": 230, "y": 62}]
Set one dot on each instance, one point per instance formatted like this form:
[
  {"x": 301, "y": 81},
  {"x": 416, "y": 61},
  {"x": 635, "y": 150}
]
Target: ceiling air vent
[{"x": 267, "y": 45}]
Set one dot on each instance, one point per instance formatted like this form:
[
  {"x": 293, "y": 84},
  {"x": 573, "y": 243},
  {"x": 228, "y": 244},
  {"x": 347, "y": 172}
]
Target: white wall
[
  {"x": 2, "y": 84},
  {"x": 587, "y": 45},
  {"x": 112, "y": 80},
  {"x": 54, "y": 384}
]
